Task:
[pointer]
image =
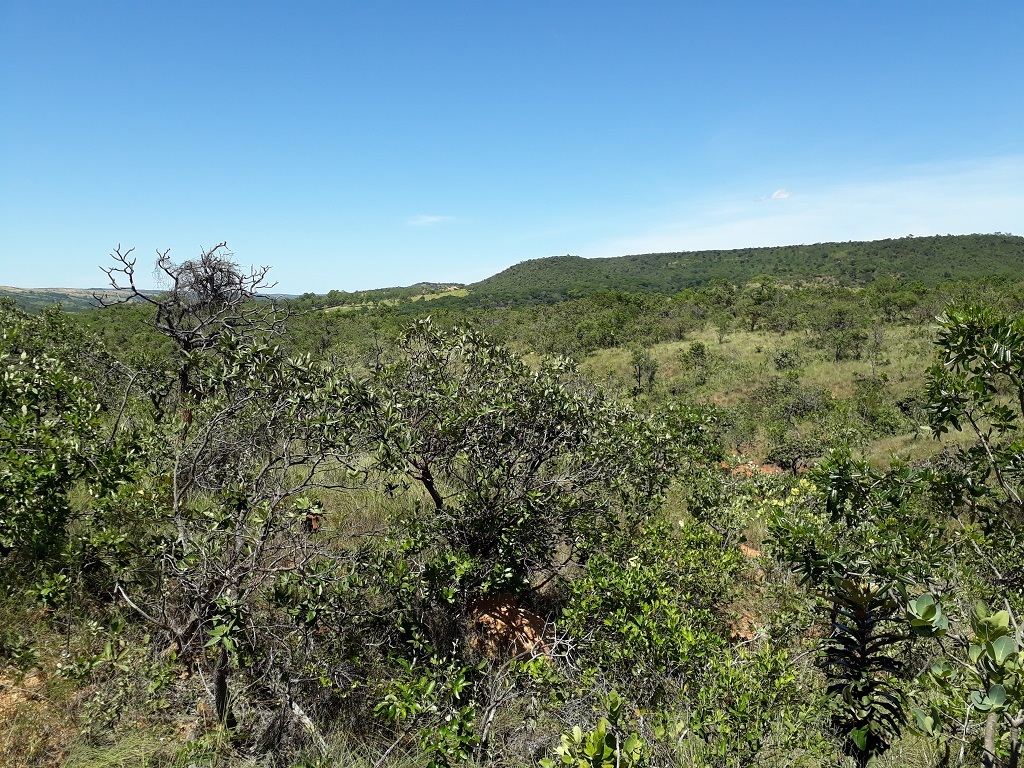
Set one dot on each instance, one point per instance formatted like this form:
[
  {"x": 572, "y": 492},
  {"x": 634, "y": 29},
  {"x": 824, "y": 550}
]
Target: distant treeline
[
  {"x": 927, "y": 260},
  {"x": 360, "y": 299},
  {"x": 837, "y": 316}
]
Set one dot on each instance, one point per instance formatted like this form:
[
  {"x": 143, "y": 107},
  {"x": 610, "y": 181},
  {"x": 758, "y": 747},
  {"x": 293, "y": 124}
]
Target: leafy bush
[{"x": 644, "y": 613}]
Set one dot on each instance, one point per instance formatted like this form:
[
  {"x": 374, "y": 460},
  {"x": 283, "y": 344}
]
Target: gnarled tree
[{"x": 203, "y": 298}]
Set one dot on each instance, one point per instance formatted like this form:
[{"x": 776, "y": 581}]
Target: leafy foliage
[
  {"x": 518, "y": 464},
  {"x": 52, "y": 434},
  {"x": 433, "y": 544},
  {"x": 605, "y": 746},
  {"x": 645, "y": 609},
  {"x": 859, "y": 538},
  {"x": 979, "y": 383}
]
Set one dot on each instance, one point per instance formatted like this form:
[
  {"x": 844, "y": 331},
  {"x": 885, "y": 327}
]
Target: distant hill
[
  {"x": 74, "y": 299},
  {"x": 930, "y": 260},
  {"x": 927, "y": 259},
  {"x": 70, "y": 299},
  {"x": 378, "y": 296}
]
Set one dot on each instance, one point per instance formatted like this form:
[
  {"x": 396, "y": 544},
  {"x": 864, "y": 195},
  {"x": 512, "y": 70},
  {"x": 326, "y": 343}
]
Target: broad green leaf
[{"x": 1002, "y": 648}]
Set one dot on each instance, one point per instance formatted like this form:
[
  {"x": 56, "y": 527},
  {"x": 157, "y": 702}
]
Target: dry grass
[
  {"x": 744, "y": 361},
  {"x": 904, "y": 355},
  {"x": 913, "y": 447},
  {"x": 34, "y": 730}
]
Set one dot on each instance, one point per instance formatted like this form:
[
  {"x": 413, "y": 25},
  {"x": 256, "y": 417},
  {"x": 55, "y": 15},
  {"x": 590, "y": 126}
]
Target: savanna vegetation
[{"x": 763, "y": 518}]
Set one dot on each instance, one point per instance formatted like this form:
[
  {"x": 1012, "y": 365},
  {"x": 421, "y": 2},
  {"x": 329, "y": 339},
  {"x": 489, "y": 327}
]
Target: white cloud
[
  {"x": 982, "y": 196},
  {"x": 423, "y": 220},
  {"x": 778, "y": 194}
]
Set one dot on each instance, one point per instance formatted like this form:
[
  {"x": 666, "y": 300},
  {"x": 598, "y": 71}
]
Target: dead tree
[{"x": 202, "y": 300}]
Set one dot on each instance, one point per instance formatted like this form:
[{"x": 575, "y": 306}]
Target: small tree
[
  {"x": 977, "y": 385},
  {"x": 524, "y": 470},
  {"x": 859, "y": 539},
  {"x": 234, "y": 536},
  {"x": 698, "y": 362},
  {"x": 722, "y": 323},
  {"x": 840, "y": 329},
  {"x": 645, "y": 368},
  {"x": 758, "y": 300}
]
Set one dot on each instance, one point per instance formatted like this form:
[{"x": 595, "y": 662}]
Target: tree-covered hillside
[
  {"x": 927, "y": 259},
  {"x": 70, "y": 299}
]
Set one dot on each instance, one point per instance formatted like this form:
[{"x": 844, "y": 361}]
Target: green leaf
[
  {"x": 997, "y": 696},
  {"x": 859, "y": 737},
  {"x": 924, "y": 607},
  {"x": 632, "y": 747},
  {"x": 1000, "y": 621},
  {"x": 1002, "y": 648},
  {"x": 926, "y": 722},
  {"x": 980, "y": 701}
]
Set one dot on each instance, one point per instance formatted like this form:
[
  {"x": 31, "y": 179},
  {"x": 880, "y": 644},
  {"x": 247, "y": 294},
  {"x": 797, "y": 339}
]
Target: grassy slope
[
  {"x": 38, "y": 299},
  {"x": 743, "y": 362},
  {"x": 43, "y": 728}
]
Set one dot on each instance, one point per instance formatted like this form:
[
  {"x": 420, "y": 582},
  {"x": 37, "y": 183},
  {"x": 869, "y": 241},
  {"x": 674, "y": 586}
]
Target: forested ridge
[
  {"x": 928, "y": 260},
  {"x": 749, "y": 508}
]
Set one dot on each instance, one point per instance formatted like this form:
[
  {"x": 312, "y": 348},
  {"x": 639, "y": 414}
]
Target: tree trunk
[
  {"x": 988, "y": 758},
  {"x": 220, "y": 690},
  {"x": 1015, "y": 725}
]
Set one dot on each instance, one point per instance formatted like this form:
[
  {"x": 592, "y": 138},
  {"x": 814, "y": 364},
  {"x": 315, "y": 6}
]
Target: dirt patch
[
  {"x": 32, "y": 732},
  {"x": 750, "y": 469},
  {"x": 749, "y": 552},
  {"x": 743, "y": 627},
  {"x": 500, "y": 627}
]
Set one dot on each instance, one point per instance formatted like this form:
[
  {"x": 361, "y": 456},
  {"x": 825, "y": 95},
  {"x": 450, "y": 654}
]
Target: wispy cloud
[
  {"x": 951, "y": 198},
  {"x": 423, "y": 220},
  {"x": 778, "y": 194}
]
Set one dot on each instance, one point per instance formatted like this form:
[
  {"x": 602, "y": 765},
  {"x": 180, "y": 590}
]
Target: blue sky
[{"x": 359, "y": 145}]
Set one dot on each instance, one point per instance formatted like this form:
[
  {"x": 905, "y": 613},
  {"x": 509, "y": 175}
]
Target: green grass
[{"x": 440, "y": 294}]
